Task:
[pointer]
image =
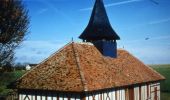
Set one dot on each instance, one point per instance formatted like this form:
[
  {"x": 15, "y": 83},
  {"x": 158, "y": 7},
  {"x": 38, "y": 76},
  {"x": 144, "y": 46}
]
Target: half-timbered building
[{"x": 92, "y": 70}]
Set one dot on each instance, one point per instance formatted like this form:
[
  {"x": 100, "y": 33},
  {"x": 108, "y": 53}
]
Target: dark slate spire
[{"x": 99, "y": 27}]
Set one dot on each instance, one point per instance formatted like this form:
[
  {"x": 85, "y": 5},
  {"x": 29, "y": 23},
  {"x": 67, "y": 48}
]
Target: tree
[{"x": 14, "y": 23}]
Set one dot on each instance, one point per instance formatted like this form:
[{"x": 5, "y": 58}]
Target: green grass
[
  {"x": 6, "y": 78},
  {"x": 165, "y": 96},
  {"x": 165, "y": 85}
]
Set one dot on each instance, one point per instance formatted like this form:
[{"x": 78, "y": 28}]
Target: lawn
[{"x": 165, "y": 85}]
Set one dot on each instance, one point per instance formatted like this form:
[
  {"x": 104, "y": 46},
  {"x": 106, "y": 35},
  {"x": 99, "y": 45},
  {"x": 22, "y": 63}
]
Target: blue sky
[{"x": 54, "y": 22}]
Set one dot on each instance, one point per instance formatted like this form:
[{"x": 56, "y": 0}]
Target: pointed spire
[{"x": 99, "y": 27}]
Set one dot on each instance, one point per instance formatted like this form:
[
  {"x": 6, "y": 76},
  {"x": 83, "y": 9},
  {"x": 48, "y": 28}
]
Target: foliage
[
  {"x": 13, "y": 27},
  {"x": 19, "y": 66},
  {"x": 6, "y": 78}
]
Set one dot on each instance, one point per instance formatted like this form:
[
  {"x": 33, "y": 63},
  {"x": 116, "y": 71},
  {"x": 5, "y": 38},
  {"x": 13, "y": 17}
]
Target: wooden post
[
  {"x": 126, "y": 94},
  {"x": 140, "y": 93},
  {"x": 82, "y": 96},
  {"x": 131, "y": 93},
  {"x": 147, "y": 91},
  {"x": 155, "y": 93}
]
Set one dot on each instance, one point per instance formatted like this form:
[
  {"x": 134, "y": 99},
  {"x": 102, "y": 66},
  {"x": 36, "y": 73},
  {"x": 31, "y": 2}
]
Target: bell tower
[{"x": 100, "y": 32}]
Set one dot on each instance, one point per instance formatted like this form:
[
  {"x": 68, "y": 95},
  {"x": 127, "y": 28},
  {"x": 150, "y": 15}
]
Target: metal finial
[{"x": 72, "y": 39}]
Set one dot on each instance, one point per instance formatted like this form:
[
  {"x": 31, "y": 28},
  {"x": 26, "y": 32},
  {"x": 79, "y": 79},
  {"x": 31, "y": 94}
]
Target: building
[
  {"x": 29, "y": 66},
  {"x": 91, "y": 71}
]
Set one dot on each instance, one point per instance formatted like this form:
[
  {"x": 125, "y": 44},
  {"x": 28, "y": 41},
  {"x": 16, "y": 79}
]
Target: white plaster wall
[
  {"x": 38, "y": 97},
  {"x": 136, "y": 93},
  {"x": 145, "y": 92},
  {"x": 54, "y": 98},
  {"x": 109, "y": 95},
  {"x": 122, "y": 94},
  {"x": 118, "y": 95},
  {"x": 112, "y": 95}
]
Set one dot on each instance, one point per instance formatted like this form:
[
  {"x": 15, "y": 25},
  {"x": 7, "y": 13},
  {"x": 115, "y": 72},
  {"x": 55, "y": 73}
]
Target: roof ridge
[
  {"x": 79, "y": 68},
  {"x": 45, "y": 60},
  {"x": 86, "y": 43}
]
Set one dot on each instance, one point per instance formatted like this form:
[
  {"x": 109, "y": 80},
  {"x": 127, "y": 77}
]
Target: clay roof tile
[{"x": 80, "y": 67}]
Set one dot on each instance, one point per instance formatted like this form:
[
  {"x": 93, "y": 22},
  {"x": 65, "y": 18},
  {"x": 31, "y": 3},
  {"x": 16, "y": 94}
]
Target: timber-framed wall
[{"x": 149, "y": 91}]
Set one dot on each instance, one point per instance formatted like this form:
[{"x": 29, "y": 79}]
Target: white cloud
[
  {"x": 113, "y": 4},
  {"x": 159, "y": 21},
  {"x": 151, "y": 54},
  {"x": 150, "y": 41},
  {"x": 57, "y": 11},
  {"x": 121, "y": 3},
  {"x": 161, "y": 37},
  {"x": 152, "y": 51},
  {"x": 41, "y": 11},
  {"x": 150, "y": 23},
  {"x": 36, "y": 51}
]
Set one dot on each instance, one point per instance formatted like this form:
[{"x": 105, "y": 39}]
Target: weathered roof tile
[{"x": 81, "y": 67}]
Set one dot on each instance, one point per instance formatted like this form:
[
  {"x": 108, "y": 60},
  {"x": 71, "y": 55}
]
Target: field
[
  {"x": 7, "y": 77},
  {"x": 165, "y": 85}
]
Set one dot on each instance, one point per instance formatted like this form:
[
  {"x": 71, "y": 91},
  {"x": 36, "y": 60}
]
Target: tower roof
[{"x": 99, "y": 26}]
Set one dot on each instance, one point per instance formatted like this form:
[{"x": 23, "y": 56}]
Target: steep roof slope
[
  {"x": 81, "y": 67},
  {"x": 99, "y": 26}
]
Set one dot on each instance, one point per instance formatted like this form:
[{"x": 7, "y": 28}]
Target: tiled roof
[{"x": 80, "y": 67}]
